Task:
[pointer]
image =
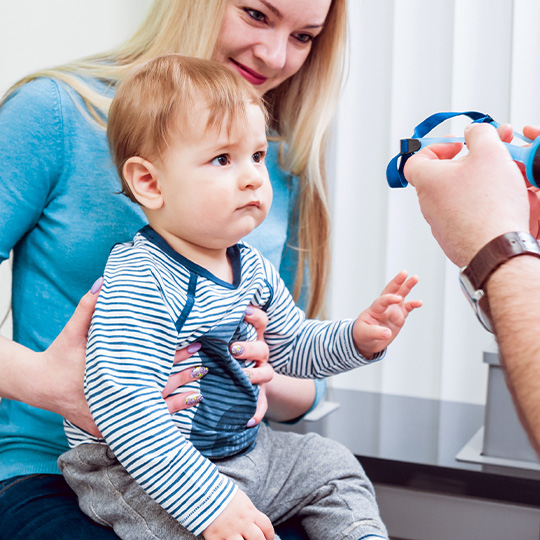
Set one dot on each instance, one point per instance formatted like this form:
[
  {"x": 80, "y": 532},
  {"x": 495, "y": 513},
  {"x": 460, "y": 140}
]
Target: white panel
[
  {"x": 35, "y": 35},
  {"x": 525, "y": 80}
]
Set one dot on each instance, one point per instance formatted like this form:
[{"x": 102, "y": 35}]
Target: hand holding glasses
[{"x": 528, "y": 155}]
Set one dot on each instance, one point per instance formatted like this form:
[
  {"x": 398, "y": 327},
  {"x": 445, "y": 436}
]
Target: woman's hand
[
  {"x": 258, "y": 352},
  {"x": 61, "y": 389}
]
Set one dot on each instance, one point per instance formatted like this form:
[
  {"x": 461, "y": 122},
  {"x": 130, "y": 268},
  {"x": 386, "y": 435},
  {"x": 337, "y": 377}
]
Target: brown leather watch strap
[{"x": 496, "y": 253}]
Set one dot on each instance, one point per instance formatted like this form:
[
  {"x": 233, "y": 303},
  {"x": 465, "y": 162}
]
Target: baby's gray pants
[{"x": 285, "y": 475}]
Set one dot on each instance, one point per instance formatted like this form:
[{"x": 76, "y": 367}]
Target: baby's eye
[
  {"x": 221, "y": 161},
  {"x": 258, "y": 157}
]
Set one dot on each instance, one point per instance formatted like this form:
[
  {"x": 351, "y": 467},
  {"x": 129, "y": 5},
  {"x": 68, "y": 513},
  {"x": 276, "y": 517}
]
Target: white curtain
[{"x": 409, "y": 59}]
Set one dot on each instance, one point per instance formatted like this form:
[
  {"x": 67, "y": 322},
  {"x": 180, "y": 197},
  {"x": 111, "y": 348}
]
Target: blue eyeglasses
[{"x": 528, "y": 155}]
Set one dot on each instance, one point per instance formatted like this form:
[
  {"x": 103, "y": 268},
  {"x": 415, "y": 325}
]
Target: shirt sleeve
[
  {"x": 130, "y": 353},
  {"x": 304, "y": 347},
  {"x": 31, "y": 157}
]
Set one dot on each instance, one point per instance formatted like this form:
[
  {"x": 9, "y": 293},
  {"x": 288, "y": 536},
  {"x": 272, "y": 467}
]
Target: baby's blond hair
[{"x": 162, "y": 96}]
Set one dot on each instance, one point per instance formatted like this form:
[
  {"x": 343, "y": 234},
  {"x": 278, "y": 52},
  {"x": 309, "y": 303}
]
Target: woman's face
[{"x": 267, "y": 41}]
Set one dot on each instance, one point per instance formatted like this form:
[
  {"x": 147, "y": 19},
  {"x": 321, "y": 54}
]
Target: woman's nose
[{"x": 273, "y": 50}]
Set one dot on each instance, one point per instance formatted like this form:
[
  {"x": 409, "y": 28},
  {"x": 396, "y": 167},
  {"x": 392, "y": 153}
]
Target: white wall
[{"x": 35, "y": 34}]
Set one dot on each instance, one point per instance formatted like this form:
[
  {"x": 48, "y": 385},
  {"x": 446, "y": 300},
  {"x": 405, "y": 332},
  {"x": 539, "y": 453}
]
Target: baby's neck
[{"x": 214, "y": 260}]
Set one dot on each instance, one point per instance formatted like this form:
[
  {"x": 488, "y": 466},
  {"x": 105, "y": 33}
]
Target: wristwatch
[{"x": 474, "y": 276}]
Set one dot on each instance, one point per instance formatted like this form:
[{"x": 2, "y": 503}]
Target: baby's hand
[
  {"x": 377, "y": 326},
  {"x": 240, "y": 519}
]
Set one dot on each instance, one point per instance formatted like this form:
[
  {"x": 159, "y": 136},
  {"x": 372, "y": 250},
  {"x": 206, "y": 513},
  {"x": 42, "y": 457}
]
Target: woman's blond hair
[{"x": 301, "y": 108}]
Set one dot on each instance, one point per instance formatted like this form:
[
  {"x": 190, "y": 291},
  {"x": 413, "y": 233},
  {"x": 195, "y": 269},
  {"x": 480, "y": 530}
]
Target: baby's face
[{"x": 215, "y": 183}]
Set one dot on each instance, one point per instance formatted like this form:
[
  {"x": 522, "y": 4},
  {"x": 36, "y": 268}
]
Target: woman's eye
[
  {"x": 255, "y": 15},
  {"x": 258, "y": 157},
  {"x": 304, "y": 38},
  {"x": 221, "y": 161}
]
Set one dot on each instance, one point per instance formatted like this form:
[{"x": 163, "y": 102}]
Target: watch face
[{"x": 478, "y": 301}]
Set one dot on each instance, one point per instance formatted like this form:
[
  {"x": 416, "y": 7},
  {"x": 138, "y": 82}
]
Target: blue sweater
[{"x": 61, "y": 213}]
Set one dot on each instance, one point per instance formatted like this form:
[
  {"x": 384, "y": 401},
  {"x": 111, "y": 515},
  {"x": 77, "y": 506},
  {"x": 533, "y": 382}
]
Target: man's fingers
[
  {"x": 531, "y": 132},
  {"x": 482, "y": 136}
]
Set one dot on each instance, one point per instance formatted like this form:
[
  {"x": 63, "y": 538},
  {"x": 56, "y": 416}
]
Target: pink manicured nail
[
  {"x": 97, "y": 285},
  {"x": 237, "y": 350},
  {"x": 251, "y": 423},
  {"x": 249, "y": 310},
  {"x": 193, "y": 348},
  {"x": 199, "y": 372},
  {"x": 193, "y": 399}
]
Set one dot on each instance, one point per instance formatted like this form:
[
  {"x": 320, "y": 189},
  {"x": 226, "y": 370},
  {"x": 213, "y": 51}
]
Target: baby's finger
[
  {"x": 408, "y": 286},
  {"x": 251, "y": 350},
  {"x": 179, "y": 402},
  {"x": 261, "y": 374},
  {"x": 185, "y": 376},
  {"x": 395, "y": 283},
  {"x": 186, "y": 352},
  {"x": 385, "y": 301},
  {"x": 413, "y": 304}
]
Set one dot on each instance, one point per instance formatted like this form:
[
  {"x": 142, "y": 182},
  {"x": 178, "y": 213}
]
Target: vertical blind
[{"x": 407, "y": 60}]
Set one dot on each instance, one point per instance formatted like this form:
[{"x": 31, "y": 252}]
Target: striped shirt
[{"x": 154, "y": 302}]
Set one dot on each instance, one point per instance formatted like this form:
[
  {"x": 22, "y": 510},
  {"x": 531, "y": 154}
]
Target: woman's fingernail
[
  {"x": 251, "y": 423},
  {"x": 237, "y": 350},
  {"x": 248, "y": 373},
  {"x": 249, "y": 310},
  {"x": 199, "y": 372},
  {"x": 193, "y": 348},
  {"x": 193, "y": 399},
  {"x": 97, "y": 285}
]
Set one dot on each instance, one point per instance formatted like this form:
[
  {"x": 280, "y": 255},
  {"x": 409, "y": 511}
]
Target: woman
[{"x": 54, "y": 152}]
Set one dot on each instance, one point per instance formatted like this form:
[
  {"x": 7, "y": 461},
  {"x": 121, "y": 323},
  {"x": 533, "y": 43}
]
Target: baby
[{"x": 188, "y": 138}]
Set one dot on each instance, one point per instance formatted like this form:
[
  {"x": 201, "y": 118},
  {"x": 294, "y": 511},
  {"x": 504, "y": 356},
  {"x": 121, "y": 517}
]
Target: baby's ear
[{"x": 142, "y": 178}]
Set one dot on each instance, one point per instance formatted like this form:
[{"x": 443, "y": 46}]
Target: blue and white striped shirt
[{"x": 153, "y": 302}]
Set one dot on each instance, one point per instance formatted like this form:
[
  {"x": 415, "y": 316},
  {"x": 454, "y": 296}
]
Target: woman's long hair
[{"x": 301, "y": 108}]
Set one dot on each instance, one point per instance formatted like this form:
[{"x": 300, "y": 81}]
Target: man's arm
[{"x": 514, "y": 298}]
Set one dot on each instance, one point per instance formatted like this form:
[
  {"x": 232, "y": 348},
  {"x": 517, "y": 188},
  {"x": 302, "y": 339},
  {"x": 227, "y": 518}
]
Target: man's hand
[{"x": 471, "y": 200}]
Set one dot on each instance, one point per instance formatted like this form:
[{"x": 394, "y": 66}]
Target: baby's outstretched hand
[{"x": 377, "y": 326}]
